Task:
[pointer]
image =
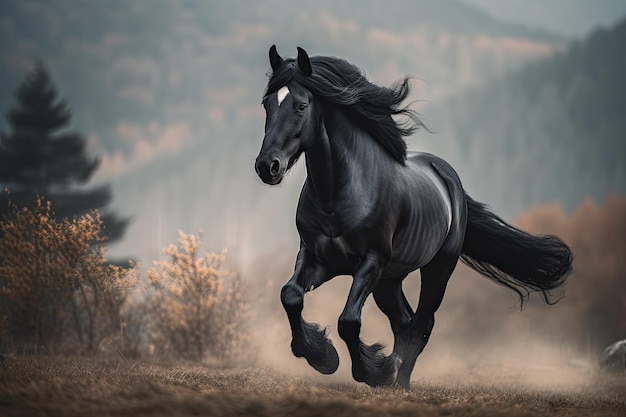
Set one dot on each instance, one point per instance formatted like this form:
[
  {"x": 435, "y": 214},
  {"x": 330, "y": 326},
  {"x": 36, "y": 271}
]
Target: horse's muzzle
[{"x": 270, "y": 170}]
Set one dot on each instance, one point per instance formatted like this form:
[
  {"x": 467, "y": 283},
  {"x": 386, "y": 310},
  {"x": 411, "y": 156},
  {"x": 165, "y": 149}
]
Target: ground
[{"x": 44, "y": 386}]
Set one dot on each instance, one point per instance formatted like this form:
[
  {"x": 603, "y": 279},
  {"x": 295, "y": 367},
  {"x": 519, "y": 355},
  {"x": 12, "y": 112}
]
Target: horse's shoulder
[
  {"x": 423, "y": 158},
  {"x": 421, "y": 162}
]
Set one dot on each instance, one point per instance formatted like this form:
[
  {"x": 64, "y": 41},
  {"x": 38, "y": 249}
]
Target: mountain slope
[{"x": 555, "y": 130}]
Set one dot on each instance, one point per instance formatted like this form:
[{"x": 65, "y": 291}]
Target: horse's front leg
[
  {"x": 308, "y": 339},
  {"x": 369, "y": 364}
]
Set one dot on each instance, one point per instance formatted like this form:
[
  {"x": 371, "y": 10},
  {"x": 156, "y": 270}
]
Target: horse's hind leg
[
  {"x": 308, "y": 339},
  {"x": 435, "y": 276},
  {"x": 369, "y": 364},
  {"x": 390, "y": 299}
]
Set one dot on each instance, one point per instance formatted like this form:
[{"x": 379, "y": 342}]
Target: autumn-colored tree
[
  {"x": 57, "y": 278},
  {"x": 594, "y": 307},
  {"x": 197, "y": 307}
]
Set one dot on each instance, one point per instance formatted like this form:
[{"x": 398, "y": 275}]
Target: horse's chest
[
  {"x": 337, "y": 253},
  {"x": 334, "y": 245}
]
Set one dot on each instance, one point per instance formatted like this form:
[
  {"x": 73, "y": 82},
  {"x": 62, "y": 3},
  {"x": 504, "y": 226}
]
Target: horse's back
[
  {"x": 424, "y": 159},
  {"x": 428, "y": 164},
  {"x": 434, "y": 179},
  {"x": 430, "y": 186}
]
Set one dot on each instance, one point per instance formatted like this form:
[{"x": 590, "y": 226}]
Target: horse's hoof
[
  {"x": 404, "y": 385},
  {"x": 323, "y": 359},
  {"x": 317, "y": 349},
  {"x": 403, "y": 380},
  {"x": 328, "y": 363},
  {"x": 375, "y": 369}
]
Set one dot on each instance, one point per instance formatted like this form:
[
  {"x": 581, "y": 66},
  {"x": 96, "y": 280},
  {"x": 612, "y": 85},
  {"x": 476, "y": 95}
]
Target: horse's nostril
[{"x": 274, "y": 167}]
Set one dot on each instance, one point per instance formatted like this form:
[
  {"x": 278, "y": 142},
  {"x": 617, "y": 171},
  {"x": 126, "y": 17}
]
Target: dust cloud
[{"x": 480, "y": 333}]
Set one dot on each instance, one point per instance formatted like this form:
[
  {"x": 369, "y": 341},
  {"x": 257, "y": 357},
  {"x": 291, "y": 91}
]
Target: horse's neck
[
  {"x": 341, "y": 156},
  {"x": 320, "y": 170}
]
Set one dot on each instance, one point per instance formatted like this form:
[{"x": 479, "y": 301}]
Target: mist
[
  {"x": 480, "y": 328},
  {"x": 173, "y": 108},
  {"x": 169, "y": 96}
]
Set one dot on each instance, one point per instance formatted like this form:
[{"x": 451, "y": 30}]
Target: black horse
[{"x": 371, "y": 210}]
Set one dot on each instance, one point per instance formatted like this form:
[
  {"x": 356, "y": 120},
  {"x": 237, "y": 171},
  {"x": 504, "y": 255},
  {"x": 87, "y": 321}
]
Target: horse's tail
[{"x": 511, "y": 257}]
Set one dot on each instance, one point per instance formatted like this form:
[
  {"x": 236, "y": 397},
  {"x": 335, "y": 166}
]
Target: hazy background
[{"x": 169, "y": 95}]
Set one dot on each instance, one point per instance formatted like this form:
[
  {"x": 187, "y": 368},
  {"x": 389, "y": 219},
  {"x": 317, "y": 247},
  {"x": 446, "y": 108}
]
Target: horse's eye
[{"x": 302, "y": 107}]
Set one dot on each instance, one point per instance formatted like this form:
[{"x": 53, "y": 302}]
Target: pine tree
[{"x": 39, "y": 157}]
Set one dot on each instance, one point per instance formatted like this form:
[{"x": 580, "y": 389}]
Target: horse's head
[{"x": 291, "y": 123}]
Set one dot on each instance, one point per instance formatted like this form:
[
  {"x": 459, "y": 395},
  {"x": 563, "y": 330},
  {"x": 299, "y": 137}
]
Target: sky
[
  {"x": 168, "y": 93},
  {"x": 571, "y": 18}
]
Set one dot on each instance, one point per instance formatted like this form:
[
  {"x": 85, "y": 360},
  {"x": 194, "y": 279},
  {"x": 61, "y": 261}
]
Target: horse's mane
[{"x": 368, "y": 105}]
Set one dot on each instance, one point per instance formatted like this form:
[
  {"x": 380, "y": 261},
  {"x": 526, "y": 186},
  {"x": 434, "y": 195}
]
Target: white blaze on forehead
[{"x": 282, "y": 93}]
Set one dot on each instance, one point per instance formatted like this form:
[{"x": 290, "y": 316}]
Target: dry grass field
[{"x": 43, "y": 386}]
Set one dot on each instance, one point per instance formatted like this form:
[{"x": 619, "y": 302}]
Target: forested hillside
[
  {"x": 555, "y": 130},
  {"x": 168, "y": 94}
]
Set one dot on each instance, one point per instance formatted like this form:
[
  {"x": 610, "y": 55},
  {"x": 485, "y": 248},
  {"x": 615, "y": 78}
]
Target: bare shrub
[
  {"x": 196, "y": 308},
  {"x": 62, "y": 293}
]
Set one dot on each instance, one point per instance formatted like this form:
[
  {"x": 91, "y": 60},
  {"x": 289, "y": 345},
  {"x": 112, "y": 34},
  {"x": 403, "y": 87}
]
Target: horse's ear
[
  {"x": 275, "y": 60},
  {"x": 304, "y": 63}
]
